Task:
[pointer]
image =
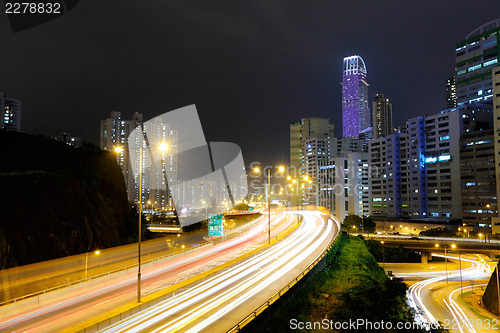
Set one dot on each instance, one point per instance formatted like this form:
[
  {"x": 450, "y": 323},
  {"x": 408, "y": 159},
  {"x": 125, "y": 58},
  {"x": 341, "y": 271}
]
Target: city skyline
[
  {"x": 256, "y": 71},
  {"x": 232, "y": 166}
]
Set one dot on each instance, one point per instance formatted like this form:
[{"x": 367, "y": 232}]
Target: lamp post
[
  {"x": 362, "y": 219},
  {"x": 257, "y": 170},
  {"x": 383, "y": 255},
  {"x": 269, "y": 204},
  {"x": 453, "y": 246},
  {"x": 87, "y": 261},
  {"x": 299, "y": 183},
  {"x": 206, "y": 209},
  {"x": 162, "y": 147},
  {"x": 445, "y": 262}
]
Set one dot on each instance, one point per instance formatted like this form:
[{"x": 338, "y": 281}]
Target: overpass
[{"x": 428, "y": 244}]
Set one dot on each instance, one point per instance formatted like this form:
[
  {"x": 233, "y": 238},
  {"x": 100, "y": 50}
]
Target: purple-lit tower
[{"x": 355, "y": 110}]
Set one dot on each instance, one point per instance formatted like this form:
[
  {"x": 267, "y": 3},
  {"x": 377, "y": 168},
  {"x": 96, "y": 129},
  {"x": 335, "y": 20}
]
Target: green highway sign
[{"x": 216, "y": 225}]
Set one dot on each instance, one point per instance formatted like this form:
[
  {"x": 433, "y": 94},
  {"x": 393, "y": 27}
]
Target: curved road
[
  {"x": 435, "y": 301},
  {"x": 66, "y": 309},
  {"x": 219, "y": 303}
]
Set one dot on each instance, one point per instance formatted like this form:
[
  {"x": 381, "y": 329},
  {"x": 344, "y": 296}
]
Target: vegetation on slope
[{"x": 353, "y": 287}]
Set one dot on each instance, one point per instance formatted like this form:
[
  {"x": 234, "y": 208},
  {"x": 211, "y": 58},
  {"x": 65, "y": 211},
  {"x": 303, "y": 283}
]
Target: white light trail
[{"x": 233, "y": 287}]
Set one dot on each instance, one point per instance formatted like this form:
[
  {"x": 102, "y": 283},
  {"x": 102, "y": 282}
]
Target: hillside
[{"x": 57, "y": 200}]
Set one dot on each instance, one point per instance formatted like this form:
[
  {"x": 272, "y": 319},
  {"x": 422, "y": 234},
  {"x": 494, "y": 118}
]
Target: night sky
[{"x": 251, "y": 67}]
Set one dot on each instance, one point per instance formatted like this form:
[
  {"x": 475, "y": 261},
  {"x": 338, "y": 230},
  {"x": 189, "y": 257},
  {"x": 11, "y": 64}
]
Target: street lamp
[
  {"x": 97, "y": 252},
  {"x": 162, "y": 147},
  {"x": 480, "y": 235},
  {"x": 459, "y": 265},
  {"x": 257, "y": 170},
  {"x": 206, "y": 209},
  {"x": 445, "y": 261}
]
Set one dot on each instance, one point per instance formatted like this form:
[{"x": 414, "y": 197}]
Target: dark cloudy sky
[{"x": 251, "y": 67}]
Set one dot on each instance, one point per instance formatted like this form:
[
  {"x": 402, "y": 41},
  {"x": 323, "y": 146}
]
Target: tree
[
  {"x": 351, "y": 220},
  {"x": 438, "y": 232},
  {"x": 369, "y": 225},
  {"x": 241, "y": 206}
]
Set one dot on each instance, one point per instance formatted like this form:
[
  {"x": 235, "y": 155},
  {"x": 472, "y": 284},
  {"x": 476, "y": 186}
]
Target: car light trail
[
  {"x": 65, "y": 308},
  {"x": 460, "y": 317},
  {"x": 414, "y": 293},
  {"x": 231, "y": 288},
  {"x": 70, "y": 306}
]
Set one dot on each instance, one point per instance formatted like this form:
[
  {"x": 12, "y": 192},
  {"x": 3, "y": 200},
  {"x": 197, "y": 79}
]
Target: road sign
[{"x": 216, "y": 225}]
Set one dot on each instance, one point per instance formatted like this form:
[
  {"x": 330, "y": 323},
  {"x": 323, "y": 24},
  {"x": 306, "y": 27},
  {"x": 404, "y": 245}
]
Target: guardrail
[
  {"x": 416, "y": 237},
  {"x": 245, "y": 321},
  {"x": 77, "y": 282},
  {"x": 231, "y": 234}
]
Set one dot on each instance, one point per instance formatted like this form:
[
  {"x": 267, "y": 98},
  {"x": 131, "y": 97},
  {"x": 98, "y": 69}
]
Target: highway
[
  {"x": 217, "y": 304},
  {"x": 78, "y": 306},
  {"x": 434, "y": 300},
  {"x": 18, "y": 282}
]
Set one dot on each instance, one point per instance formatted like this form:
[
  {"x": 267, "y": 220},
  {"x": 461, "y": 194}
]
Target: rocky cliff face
[
  {"x": 490, "y": 297},
  {"x": 57, "y": 200}
]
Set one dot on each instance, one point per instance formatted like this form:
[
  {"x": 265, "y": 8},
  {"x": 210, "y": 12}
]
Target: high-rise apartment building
[
  {"x": 475, "y": 58},
  {"x": 417, "y": 173},
  {"x": 496, "y": 127},
  {"x": 338, "y": 146},
  {"x": 344, "y": 184},
  {"x": 115, "y": 132},
  {"x": 477, "y": 172},
  {"x": 385, "y": 175},
  {"x": 316, "y": 151},
  {"x": 382, "y": 116},
  {"x": 300, "y": 133},
  {"x": 451, "y": 92},
  {"x": 295, "y": 147},
  {"x": 355, "y": 109},
  {"x": 11, "y": 113}
]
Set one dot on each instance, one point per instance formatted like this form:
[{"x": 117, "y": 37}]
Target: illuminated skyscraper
[{"x": 355, "y": 110}]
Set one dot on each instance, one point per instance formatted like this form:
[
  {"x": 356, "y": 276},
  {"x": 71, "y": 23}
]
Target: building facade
[
  {"x": 316, "y": 152},
  {"x": 476, "y": 56},
  {"x": 496, "y": 127},
  {"x": 385, "y": 176},
  {"x": 302, "y": 134},
  {"x": 382, "y": 116},
  {"x": 416, "y": 174},
  {"x": 114, "y": 132},
  {"x": 451, "y": 92},
  {"x": 344, "y": 184},
  {"x": 338, "y": 146},
  {"x": 355, "y": 109},
  {"x": 477, "y": 173},
  {"x": 11, "y": 111}
]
